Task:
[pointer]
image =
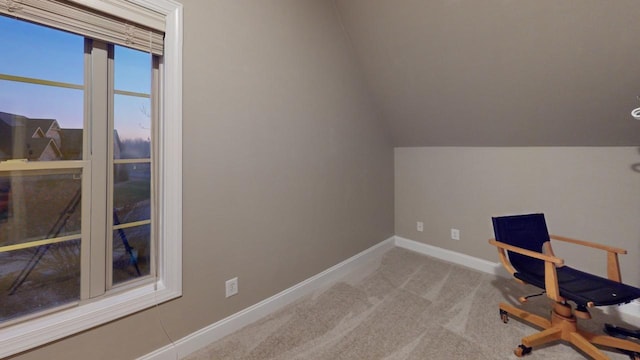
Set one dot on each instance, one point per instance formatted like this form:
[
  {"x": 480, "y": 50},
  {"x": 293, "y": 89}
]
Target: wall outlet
[
  {"x": 420, "y": 226},
  {"x": 455, "y": 234},
  {"x": 231, "y": 287}
]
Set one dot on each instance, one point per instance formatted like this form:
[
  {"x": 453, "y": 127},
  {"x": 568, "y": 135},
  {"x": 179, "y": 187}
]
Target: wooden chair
[{"x": 524, "y": 247}]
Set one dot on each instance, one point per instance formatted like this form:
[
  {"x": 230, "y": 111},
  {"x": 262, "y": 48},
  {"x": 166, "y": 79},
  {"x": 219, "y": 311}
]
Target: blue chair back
[{"x": 524, "y": 231}]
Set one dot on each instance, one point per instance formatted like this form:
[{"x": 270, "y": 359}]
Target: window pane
[
  {"x": 133, "y": 149},
  {"x": 37, "y": 206},
  {"x": 23, "y": 46},
  {"x": 131, "y": 253},
  {"x": 132, "y": 121},
  {"x": 40, "y": 123},
  {"x": 132, "y": 181},
  {"x": 131, "y": 192},
  {"x": 132, "y": 70},
  {"x": 39, "y": 278},
  {"x": 40, "y": 101}
]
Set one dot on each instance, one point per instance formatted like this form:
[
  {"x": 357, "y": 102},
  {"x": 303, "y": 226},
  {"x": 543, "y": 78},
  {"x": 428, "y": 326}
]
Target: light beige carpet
[{"x": 404, "y": 306}]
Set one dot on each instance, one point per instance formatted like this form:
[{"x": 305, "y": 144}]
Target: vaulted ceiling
[{"x": 501, "y": 72}]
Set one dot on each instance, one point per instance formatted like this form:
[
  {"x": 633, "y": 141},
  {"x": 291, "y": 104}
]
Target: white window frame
[{"x": 168, "y": 284}]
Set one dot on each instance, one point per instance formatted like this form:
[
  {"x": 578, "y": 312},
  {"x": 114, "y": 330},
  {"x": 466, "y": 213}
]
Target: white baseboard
[
  {"x": 629, "y": 313},
  {"x": 193, "y": 342},
  {"x": 452, "y": 256},
  {"x": 205, "y": 336}
]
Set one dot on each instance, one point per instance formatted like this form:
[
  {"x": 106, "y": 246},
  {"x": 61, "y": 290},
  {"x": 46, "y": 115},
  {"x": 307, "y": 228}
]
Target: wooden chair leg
[
  {"x": 526, "y": 316},
  {"x": 563, "y": 326},
  {"x": 610, "y": 341},
  {"x": 583, "y": 344},
  {"x": 543, "y": 337}
]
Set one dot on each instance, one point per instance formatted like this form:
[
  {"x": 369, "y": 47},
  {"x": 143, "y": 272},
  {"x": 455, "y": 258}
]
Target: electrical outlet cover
[{"x": 231, "y": 287}]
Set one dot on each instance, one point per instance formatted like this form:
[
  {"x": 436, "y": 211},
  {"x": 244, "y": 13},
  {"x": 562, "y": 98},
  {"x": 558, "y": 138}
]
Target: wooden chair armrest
[
  {"x": 552, "y": 259},
  {"x": 589, "y": 244},
  {"x": 550, "y": 263},
  {"x": 613, "y": 265},
  {"x": 503, "y": 258}
]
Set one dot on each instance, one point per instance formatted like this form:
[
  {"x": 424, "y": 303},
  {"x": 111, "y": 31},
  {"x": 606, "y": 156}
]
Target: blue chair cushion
[{"x": 581, "y": 287}]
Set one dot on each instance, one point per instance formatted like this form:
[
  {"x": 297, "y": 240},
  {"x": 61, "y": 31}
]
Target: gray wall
[
  {"x": 590, "y": 193},
  {"x": 488, "y": 78},
  {"x": 287, "y": 169},
  {"x": 501, "y": 73}
]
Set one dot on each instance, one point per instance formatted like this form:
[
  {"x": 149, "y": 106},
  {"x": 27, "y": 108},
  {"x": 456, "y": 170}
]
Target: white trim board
[
  {"x": 205, "y": 336},
  {"x": 452, "y": 256}
]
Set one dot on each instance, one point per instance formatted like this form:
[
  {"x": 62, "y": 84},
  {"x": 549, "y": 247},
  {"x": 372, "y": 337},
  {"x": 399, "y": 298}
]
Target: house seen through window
[{"x": 77, "y": 120}]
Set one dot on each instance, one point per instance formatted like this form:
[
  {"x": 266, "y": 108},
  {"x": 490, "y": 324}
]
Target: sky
[{"x": 35, "y": 51}]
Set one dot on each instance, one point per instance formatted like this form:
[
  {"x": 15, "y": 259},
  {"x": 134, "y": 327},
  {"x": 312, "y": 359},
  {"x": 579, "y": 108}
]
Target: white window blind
[{"x": 89, "y": 22}]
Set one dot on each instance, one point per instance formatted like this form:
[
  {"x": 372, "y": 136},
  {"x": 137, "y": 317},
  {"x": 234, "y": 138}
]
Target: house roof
[
  {"x": 7, "y": 124},
  {"x": 71, "y": 143},
  {"x": 36, "y": 146},
  {"x": 12, "y": 119},
  {"x": 43, "y": 124},
  {"x": 31, "y": 134}
]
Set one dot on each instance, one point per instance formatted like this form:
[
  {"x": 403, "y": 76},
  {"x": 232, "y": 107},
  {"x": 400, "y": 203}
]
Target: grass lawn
[{"x": 131, "y": 192}]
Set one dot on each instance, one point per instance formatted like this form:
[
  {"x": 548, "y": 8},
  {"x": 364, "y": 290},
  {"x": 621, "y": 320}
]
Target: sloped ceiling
[{"x": 501, "y": 72}]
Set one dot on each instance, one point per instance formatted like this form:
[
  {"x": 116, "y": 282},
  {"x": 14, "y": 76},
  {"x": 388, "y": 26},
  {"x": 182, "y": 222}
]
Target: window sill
[{"x": 27, "y": 335}]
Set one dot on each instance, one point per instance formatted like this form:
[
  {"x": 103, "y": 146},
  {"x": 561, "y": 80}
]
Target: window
[{"x": 90, "y": 123}]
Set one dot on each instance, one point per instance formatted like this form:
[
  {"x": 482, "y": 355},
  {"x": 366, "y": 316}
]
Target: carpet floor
[{"x": 403, "y": 306}]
